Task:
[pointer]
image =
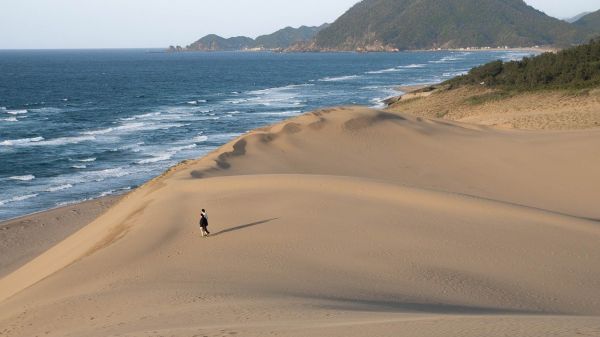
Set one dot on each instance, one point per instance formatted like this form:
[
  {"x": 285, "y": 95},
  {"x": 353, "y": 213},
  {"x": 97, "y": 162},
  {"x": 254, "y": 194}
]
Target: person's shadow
[{"x": 242, "y": 227}]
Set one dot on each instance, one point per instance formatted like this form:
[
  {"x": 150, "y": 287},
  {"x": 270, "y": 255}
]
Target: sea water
[{"x": 82, "y": 124}]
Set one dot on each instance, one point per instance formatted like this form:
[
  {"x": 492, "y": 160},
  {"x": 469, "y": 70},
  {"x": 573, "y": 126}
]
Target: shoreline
[{"x": 25, "y": 237}]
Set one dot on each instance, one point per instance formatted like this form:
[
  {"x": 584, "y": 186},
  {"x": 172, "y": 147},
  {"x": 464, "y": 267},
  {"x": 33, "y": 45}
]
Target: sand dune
[
  {"x": 342, "y": 222},
  {"x": 540, "y": 110}
]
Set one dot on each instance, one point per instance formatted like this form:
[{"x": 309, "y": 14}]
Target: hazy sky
[{"x": 159, "y": 23}]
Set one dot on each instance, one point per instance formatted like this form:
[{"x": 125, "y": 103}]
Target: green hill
[
  {"x": 426, "y": 24},
  {"x": 590, "y": 23},
  {"x": 214, "y": 42},
  {"x": 281, "y": 39},
  {"x": 284, "y": 38},
  {"x": 573, "y": 68}
]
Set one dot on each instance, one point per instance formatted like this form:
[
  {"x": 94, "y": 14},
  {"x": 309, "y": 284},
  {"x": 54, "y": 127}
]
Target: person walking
[{"x": 204, "y": 223}]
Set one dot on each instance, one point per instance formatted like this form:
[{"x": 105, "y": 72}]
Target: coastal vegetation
[{"x": 573, "y": 68}]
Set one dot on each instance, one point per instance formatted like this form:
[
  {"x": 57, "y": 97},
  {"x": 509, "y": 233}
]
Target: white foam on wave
[
  {"x": 412, "y": 66},
  {"x": 142, "y": 116},
  {"x": 278, "y": 113},
  {"x": 64, "y": 141},
  {"x": 18, "y": 198},
  {"x": 102, "y": 175},
  {"x": 200, "y": 139},
  {"x": 124, "y": 127},
  {"x": 451, "y": 58},
  {"x": 339, "y": 78},
  {"x": 79, "y": 167},
  {"x": 383, "y": 71},
  {"x": 16, "y": 112},
  {"x": 133, "y": 127},
  {"x": 27, "y": 177},
  {"x": 111, "y": 192},
  {"x": 40, "y": 141},
  {"x": 166, "y": 155},
  {"x": 10, "y": 119},
  {"x": 156, "y": 159},
  {"x": 87, "y": 160},
  {"x": 295, "y": 86},
  {"x": 59, "y": 188},
  {"x": 72, "y": 202},
  {"x": 196, "y": 102},
  {"x": 46, "y": 109},
  {"x": 21, "y": 141}
]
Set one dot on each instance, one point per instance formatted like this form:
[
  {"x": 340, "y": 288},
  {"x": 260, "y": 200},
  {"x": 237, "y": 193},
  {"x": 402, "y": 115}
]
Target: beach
[{"x": 346, "y": 221}]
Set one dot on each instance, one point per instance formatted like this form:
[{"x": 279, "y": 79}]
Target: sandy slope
[
  {"x": 343, "y": 222},
  {"x": 543, "y": 110},
  {"x": 24, "y": 238}
]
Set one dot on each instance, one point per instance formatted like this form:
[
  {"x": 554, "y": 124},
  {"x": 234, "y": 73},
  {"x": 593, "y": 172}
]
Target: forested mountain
[
  {"x": 284, "y": 38},
  {"x": 214, "y": 42},
  {"x": 590, "y": 22},
  {"x": 390, "y": 25},
  {"x": 573, "y": 68},
  {"x": 426, "y": 24},
  {"x": 281, "y": 39}
]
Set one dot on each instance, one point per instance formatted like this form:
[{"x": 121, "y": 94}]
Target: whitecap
[
  {"x": 102, "y": 175},
  {"x": 23, "y": 178},
  {"x": 71, "y": 202},
  {"x": 146, "y": 115},
  {"x": 10, "y": 119},
  {"x": 168, "y": 154},
  {"x": 196, "y": 102},
  {"x": 79, "y": 167},
  {"x": 383, "y": 71},
  {"x": 200, "y": 139},
  {"x": 181, "y": 148},
  {"x": 279, "y": 113},
  {"x": 16, "y": 112},
  {"x": 156, "y": 159},
  {"x": 46, "y": 109},
  {"x": 40, "y": 141},
  {"x": 411, "y": 66},
  {"x": 87, "y": 160},
  {"x": 59, "y": 188},
  {"x": 63, "y": 141},
  {"x": 340, "y": 78},
  {"x": 18, "y": 198},
  {"x": 22, "y": 141},
  {"x": 294, "y": 86},
  {"x": 106, "y": 193}
]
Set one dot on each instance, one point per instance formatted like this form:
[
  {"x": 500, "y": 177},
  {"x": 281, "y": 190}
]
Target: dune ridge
[{"x": 341, "y": 222}]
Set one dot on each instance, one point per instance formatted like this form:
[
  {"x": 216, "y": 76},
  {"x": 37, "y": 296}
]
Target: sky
[{"x": 43, "y": 24}]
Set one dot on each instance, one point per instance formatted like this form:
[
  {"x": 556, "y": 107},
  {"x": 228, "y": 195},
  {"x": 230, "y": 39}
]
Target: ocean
[{"x": 82, "y": 124}]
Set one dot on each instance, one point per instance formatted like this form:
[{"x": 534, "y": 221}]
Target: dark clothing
[{"x": 204, "y": 225}]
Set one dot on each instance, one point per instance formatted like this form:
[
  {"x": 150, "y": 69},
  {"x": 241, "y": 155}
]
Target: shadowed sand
[{"x": 340, "y": 222}]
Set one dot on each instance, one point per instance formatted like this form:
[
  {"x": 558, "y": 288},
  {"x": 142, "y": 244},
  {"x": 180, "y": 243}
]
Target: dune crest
[{"x": 340, "y": 222}]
